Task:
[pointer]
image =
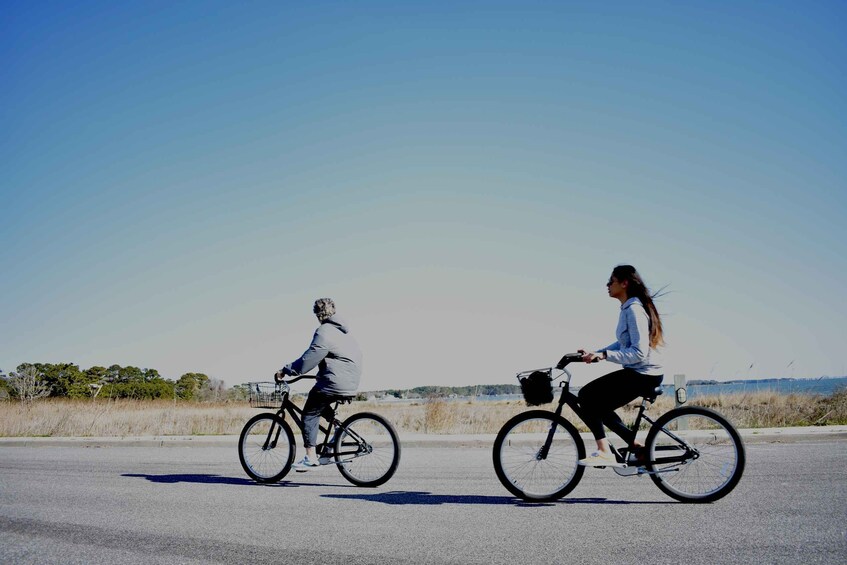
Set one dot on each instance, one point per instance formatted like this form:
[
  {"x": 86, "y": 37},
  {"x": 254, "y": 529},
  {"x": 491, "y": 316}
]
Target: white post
[
  {"x": 680, "y": 393},
  {"x": 680, "y": 397}
]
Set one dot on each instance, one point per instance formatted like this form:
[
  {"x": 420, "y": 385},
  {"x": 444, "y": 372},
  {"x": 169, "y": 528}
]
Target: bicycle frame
[
  {"x": 571, "y": 400},
  {"x": 324, "y": 449}
]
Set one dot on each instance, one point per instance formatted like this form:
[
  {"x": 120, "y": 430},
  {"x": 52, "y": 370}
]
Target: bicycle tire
[
  {"x": 266, "y": 464},
  {"x": 377, "y": 461},
  {"x": 521, "y": 466},
  {"x": 705, "y": 477}
]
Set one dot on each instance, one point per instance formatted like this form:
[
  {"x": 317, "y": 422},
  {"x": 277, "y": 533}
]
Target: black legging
[{"x": 599, "y": 399}]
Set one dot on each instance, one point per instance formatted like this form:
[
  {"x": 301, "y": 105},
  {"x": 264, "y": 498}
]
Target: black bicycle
[
  {"x": 693, "y": 454},
  {"x": 364, "y": 447}
]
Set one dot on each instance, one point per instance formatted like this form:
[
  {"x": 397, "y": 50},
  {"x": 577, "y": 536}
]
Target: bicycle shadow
[
  {"x": 208, "y": 479},
  {"x": 421, "y": 498}
]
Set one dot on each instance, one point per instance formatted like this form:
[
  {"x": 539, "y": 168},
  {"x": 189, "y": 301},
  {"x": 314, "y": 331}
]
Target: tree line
[
  {"x": 445, "y": 391},
  {"x": 30, "y": 381}
]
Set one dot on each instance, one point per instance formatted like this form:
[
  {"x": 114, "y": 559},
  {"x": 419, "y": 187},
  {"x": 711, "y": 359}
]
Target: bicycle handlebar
[
  {"x": 569, "y": 358},
  {"x": 295, "y": 379}
]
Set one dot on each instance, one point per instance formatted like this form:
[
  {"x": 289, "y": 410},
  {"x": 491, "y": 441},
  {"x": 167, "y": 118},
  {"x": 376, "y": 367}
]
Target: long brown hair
[{"x": 636, "y": 288}]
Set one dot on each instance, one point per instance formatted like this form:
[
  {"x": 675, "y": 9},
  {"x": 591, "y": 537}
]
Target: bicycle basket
[
  {"x": 537, "y": 388},
  {"x": 264, "y": 395}
]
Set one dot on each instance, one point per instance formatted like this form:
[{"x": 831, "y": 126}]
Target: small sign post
[{"x": 680, "y": 397}]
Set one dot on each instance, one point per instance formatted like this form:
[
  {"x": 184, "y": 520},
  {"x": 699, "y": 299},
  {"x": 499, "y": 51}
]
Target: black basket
[
  {"x": 265, "y": 395},
  {"x": 537, "y": 388}
]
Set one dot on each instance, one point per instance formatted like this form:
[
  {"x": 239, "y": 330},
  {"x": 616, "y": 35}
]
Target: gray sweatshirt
[
  {"x": 632, "y": 349},
  {"x": 337, "y": 356}
]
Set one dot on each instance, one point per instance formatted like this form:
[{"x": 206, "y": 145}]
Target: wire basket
[
  {"x": 265, "y": 395},
  {"x": 537, "y": 388}
]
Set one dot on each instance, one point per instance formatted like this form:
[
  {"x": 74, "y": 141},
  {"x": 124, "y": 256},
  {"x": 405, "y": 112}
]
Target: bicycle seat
[
  {"x": 342, "y": 399},
  {"x": 651, "y": 396}
]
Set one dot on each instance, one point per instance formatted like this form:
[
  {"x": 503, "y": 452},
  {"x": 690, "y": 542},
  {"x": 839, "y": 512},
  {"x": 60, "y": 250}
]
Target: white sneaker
[
  {"x": 601, "y": 459},
  {"x": 304, "y": 465}
]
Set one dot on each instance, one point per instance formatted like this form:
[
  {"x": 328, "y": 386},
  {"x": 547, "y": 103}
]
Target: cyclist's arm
[
  {"x": 613, "y": 347},
  {"x": 310, "y": 359}
]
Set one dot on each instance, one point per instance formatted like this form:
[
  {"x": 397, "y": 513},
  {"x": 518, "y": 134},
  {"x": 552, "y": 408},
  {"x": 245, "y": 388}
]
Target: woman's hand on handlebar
[{"x": 590, "y": 356}]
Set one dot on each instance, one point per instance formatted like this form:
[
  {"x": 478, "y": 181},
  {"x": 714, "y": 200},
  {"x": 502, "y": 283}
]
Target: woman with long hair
[{"x": 639, "y": 333}]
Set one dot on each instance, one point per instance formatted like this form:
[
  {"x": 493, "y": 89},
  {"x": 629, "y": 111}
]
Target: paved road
[{"x": 151, "y": 505}]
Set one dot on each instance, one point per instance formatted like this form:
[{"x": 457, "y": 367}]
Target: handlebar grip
[
  {"x": 567, "y": 359},
  {"x": 297, "y": 378}
]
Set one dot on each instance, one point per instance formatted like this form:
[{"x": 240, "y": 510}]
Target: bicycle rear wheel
[
  {"x": 367, "y": 449},
  {"x": 695, "y": 455},
  {"x": 266, "y": 448},
  {"x": 530, "y": 466}
]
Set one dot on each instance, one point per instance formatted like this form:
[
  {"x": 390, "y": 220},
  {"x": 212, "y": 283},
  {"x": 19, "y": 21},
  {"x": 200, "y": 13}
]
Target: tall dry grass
[
  {"x": 67, "y": 418},
  {"x": 71, "y": 418}
]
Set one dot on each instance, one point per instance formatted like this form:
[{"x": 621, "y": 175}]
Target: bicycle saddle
[{"x": 651, "y": 396}]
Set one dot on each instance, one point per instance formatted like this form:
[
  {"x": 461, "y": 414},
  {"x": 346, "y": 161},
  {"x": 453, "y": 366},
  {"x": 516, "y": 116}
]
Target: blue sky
[{"x": 179, "y": 183}]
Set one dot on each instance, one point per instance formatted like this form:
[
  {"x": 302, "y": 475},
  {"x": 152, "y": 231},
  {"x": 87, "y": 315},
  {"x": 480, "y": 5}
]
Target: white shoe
[
  {"x": 601, "y": 459},
  {"x": 304, "y": 465}
]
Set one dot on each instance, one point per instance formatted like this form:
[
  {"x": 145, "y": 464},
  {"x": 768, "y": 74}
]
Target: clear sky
[{"x": 180, "y": 181}]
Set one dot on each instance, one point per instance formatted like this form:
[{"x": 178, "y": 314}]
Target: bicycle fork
[
  {"x": 570, "y": 399},
  {"x": 270, "y": 441}
]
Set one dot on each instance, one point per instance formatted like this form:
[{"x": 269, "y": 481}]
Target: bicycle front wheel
[
  {"x": 695, "y": 455},
  {"x": 367, "y": 449},
  {"x": 266, "y": 448},
  {"x": 536, "y": 456}
]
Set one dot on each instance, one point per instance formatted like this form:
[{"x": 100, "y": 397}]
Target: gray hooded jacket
[{"x": 337, "y": 356}]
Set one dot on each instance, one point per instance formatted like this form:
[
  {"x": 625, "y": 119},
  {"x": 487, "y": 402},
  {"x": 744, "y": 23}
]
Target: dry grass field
[{"x": 104, "y": 418}]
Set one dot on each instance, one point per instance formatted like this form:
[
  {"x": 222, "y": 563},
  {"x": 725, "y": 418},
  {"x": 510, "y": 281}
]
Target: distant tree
[
  {"x": 213, "y": 391},
  {"x": 130, "y": 375},
  {"x": 150, "y": 375},
  {"x": 113, "y": 374},
  {"x": 65, "y": 379},
  {"x": 28, "y": 384},
  {"x": 96, "y": 377},
  {"x": 5, "y": 390},
  {"x": 190, "y": 384},
  {"x": 132, "y": 382},
  {"x": 238, "y": 392}
]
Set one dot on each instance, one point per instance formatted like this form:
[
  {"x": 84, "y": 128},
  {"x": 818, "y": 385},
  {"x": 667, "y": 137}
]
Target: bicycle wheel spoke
[
  {"x": 266, "y": 449},
  {"x": 713, "y": 466},
  {"x": 524, "y": 468},
  {"x": 367, "y": 450}
]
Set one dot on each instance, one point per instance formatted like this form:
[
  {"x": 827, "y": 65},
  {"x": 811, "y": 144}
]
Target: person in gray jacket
[{"x": 339, "y": 361}]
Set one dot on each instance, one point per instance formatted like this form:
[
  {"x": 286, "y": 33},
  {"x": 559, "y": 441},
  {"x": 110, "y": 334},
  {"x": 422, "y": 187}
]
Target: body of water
[{"x": 822, "y": 386}]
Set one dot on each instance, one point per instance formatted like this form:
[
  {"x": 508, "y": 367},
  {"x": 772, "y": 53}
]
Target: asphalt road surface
[{"x": 144, "y": 505}]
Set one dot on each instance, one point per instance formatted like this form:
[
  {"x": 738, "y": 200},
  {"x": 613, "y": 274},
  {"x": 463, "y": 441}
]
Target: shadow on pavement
[
  {"x": 216, "y": 480},
  {"x": 428, "y": 499}
]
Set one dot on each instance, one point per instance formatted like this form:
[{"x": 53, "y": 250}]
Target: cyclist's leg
[
  {"x": 636, "y": 385},
  {"x": 600, "y": 398},
  {"x": 316, "y": 403},
  {"x": 613, "y": 421}
]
